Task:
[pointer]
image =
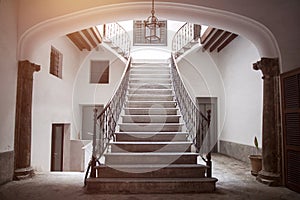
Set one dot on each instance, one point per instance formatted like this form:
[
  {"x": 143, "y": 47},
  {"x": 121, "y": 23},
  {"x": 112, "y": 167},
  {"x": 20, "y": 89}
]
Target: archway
[{"x": 257, "y": 33}]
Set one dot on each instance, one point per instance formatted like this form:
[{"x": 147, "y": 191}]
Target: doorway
[
  {"x": 210, "y": 103},
  {"x": 88, "y": 120},
  {"x": 57, "y": 147}
]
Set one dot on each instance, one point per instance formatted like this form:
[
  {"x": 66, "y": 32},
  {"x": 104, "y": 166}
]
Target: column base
[
  {"x": 269, "y": 178},
  {"x": 23, "y": 173}
]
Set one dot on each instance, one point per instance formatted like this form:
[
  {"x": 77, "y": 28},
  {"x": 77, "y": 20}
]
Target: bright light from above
[{"x": 203, "y": 29}]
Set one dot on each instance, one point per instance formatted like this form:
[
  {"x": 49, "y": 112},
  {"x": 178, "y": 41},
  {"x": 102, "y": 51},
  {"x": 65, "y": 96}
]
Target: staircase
[{"x": 150, "y": 152}]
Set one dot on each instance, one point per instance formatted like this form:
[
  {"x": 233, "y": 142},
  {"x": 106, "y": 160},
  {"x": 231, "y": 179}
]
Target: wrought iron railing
[
  {"x": 184, "y": 36},
  {"x": 119, "y": 38},
  {"x": 105, "y": 123},
  {"x": 197, "y": 123}
]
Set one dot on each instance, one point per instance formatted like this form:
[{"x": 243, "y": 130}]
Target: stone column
[
  {"x": 22, "y": 146},
  {"x": 271, "y": 135}
]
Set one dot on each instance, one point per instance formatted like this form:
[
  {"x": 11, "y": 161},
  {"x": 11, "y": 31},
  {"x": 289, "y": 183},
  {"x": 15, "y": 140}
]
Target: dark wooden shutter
[{"x": 290, "y": 88}]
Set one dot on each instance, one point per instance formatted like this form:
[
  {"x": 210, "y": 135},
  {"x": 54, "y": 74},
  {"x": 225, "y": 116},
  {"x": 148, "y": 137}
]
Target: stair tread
[
  {"x": 154, "y": 166},
  {"x": 151, "y": 115},
  {"x": 151, "y": 154},
  {"x": 152, "y": 143},
  {"x": 160, "y": 180},
  {"x": 151, "y": 95},
  {"x": 153, "y": 108},
  {"x": 151, "y": 133},
  {"x": 152, "y": 124}
]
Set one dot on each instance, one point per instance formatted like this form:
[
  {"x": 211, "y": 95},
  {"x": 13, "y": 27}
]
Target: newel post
[
  {"x": 94, "y": 156},
  {"x": 208, "y": 156},
  {"x": 271, "y": 131}
]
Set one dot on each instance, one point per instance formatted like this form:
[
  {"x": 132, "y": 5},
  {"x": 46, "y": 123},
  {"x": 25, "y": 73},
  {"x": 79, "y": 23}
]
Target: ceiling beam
[
  {"x": 212, "y": 39},
  {"x": 96, "y": 34},
  {"x": 227, "y": 41},
  {"x": 221, "y": 39},
  {"x": 206, "y": 34},
  {"x": 89, "y": 37}
]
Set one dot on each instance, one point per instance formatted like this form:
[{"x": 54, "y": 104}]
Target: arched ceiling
[{"x": 51, "y": 28}]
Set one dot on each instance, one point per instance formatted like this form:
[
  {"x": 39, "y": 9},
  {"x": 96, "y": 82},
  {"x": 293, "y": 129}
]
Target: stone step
[
  {"x": 150, "y": 67},
  {"x": 150, "y": 147},
  {"x": 149, "y": 97},
  {"x": 151, "y": 111},
  {"x": 151, "y": 104},
  {"x": 154, "y": 76},
  {"x": 150, "y": 136},
  {"x": 150, "y": 158},
  {"x": 150, "y": 91},
  {"x": 150, "y": 185},
  {"x": 153, "y": 171},
  {"x": 149, "y": 86},
  {"x": 150, "y": 118},
  {"x": 150, "y": 127},
  {"x": 150, "y": 80},
  {"x": 146, "y": 71}
]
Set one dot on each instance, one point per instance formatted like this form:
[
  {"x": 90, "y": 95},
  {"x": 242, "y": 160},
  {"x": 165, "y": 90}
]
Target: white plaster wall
[
  {"x": 52, "y": 99},
  {"x": 229, "y": 77},
  {"x": 243, "y": 87},
  {"x": 202, "y": 78},
  {"x": 8, "y": 73},
  {"x": 85, "y": 93}
]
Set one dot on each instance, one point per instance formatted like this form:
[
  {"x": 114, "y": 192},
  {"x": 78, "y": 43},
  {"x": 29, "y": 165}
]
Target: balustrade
[{"x": 118, "y": 36}]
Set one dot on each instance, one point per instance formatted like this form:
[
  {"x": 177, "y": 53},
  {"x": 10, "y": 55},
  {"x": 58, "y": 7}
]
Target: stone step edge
[
  {"x": 152, "y": 143},
  {"x": 151, "y": 154},
  {"x": 151, "y": 133},
  {"x": 155, "y": 166},
  {"x": 154, "y": 180}
]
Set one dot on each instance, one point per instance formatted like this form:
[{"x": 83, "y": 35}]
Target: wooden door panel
[
  {"x": 290, "y": 90},
  {"x": 57, "y": 147}
]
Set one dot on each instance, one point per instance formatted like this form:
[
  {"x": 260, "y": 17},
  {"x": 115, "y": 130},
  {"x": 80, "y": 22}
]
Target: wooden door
[
  {"x": 290, "y": 92},
  {"x": 57, "y": 147}
]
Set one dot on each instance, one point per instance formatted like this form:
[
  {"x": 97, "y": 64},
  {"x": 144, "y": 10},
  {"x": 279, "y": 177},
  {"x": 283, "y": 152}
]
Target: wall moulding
[{"x": 49, "y": 29}]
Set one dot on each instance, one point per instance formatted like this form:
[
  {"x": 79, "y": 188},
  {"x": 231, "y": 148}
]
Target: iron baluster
[{"x": 197, "y": 123}]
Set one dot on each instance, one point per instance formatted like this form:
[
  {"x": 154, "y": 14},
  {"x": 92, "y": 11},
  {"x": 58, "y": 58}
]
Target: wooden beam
[
  {"x": 229, "y": 39},
  {"x": 221, "y": 39},
  {"x": 96, "y": 34},
  {"x": 89, "y": 37},
  {"x": 79, "y": 41},
  {"x": 206, "y": 34},
  {"x": 212, "y": 39}
]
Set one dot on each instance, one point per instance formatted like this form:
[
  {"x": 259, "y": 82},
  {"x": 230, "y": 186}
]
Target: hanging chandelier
[{"x": 152, "y": 27}]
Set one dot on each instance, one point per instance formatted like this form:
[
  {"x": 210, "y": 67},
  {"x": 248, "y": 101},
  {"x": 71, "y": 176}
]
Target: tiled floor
[{"x": 235, "y": 182}]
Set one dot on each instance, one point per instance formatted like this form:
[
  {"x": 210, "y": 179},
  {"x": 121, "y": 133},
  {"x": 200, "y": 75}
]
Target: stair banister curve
[
  {"x": 119, "y": 38},
  {"x": 197, "y": 123},
  {"x": 105, "y": 123},
  {"x": 184, "y": 36}
]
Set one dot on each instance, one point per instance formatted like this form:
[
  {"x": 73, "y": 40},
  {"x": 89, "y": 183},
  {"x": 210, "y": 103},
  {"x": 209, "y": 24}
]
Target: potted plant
[{"x": 255, "y": 160}]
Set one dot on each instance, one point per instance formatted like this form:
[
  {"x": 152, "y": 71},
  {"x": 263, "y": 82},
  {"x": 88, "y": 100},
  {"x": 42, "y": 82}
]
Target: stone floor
[{"x": 235, "y": 182}]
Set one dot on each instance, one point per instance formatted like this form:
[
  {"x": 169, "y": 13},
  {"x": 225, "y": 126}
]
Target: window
[
  {"x": 99, "y": 71},
  {"x": 139, "y": 33},
  {"x": 56, "y": 59}
]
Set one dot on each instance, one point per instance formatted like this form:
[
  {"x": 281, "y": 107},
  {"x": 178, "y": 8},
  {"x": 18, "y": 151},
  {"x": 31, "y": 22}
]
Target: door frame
[{"x": 53, "y": 139}]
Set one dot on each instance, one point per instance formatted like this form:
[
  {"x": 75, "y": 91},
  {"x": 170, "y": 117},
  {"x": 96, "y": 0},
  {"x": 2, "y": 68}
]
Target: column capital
[{"x": 268, "y": 66}]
